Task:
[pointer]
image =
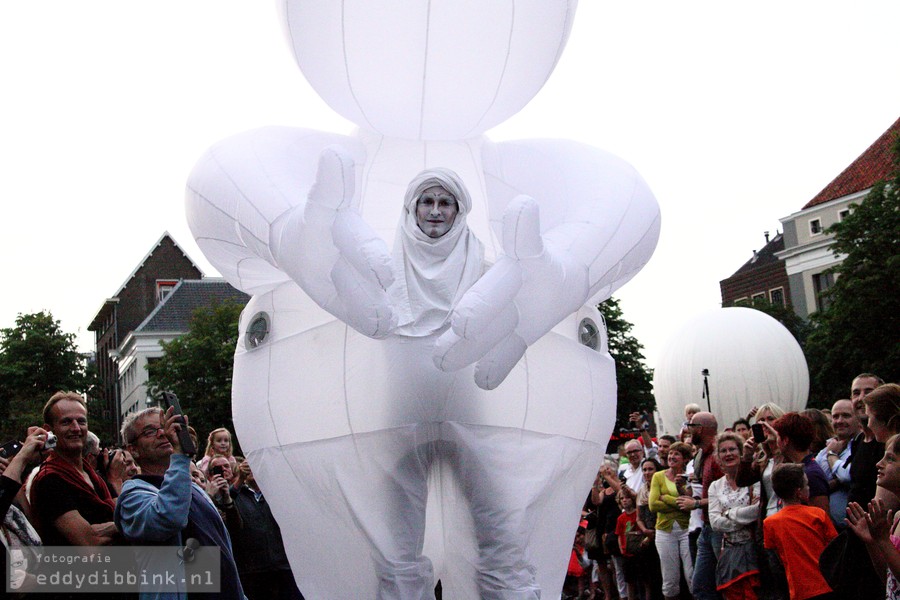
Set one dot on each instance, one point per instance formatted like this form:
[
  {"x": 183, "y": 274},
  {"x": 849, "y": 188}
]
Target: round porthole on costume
[
  {"x": 589, "y": 334},
  {"x": 257, "y": 330}
]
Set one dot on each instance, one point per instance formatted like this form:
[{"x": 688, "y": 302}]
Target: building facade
[
  {"x": 805, "y": 255},
  {"x": 762, "y": 277},
  {"x": 152, "y": 280},
  {"x": 169, "y": 320}
]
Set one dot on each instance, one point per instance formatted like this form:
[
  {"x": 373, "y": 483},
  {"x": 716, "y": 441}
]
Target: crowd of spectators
[
  {"x": 62, "y": 487},
  {"x": 778, "y": 506}
]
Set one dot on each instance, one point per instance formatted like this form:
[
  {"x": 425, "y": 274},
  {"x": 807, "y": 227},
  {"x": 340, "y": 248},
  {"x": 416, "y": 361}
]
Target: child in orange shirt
[{"x": 798, "y": 534}]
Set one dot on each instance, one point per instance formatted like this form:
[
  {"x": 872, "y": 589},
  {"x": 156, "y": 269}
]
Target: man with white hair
[
  {"x": 636, "y": 451},
  {"x": 91, "y": 450},
  {"x": 162, "y": 506}
]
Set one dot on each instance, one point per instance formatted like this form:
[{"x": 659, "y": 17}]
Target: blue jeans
[{"x": 703, "y": 584}]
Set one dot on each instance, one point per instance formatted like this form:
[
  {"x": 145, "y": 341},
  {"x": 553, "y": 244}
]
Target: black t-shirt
[
  {"x": 57, "y": 497},
  {"x": 863, "y": 471}
]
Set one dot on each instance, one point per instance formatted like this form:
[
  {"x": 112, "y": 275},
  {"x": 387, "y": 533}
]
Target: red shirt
[
  {"x": 711, "y": 472},
  {"x": 575, "y": 569},
  {"x": 625, "y": 523},
  {"x": 799, "y": 534}
]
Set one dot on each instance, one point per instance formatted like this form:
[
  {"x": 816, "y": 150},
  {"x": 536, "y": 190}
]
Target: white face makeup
[{"x": 436, "y": 210}]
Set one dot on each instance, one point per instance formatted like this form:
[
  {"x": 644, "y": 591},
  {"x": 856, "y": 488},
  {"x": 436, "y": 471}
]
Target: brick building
[
  {"x": 152, "y": 280},
  {"x": 763, "y": 277}
]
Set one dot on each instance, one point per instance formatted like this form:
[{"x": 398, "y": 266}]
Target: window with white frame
[
  {"x": 164, "y": 287},
  {"x": 776, "y": 296},
  {"x": 843, "y": 214},
  {"x": 815, "y": 226}
]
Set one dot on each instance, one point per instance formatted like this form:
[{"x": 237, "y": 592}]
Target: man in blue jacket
[{"x": 162, "y": 506}]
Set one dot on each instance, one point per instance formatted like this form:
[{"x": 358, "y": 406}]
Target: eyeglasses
[
  {"x": 694, "y": 425},
  {"x": 151, "y": 431}
]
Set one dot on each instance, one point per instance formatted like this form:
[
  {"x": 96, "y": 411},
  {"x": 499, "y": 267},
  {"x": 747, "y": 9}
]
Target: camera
[
  {"x": 50, "y": 444},
  {"x": 10, "y": 449},
  {"x": 217, "y": 470},
  {"x": 759, "y": 434}
]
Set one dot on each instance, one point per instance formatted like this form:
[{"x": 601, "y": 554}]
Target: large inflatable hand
[
  {"x": 327, "y": 248},
  {"x": 530, "y": 289}
]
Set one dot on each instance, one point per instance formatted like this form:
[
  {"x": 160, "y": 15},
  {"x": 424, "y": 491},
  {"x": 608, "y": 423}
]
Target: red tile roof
[{"x": 872, "y": 165}]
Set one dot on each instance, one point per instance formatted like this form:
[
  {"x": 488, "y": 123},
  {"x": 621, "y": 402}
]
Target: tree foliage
[
  {"x": 784, "y": 315},
  {"x": 197, "y": 367},
  {"x": 634, "y": 379},
  {"x": 860, "y": 328},
  {"x": 37, "y": 359}
]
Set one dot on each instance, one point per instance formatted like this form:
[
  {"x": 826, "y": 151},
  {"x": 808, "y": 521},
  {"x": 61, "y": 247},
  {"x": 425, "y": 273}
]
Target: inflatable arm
[
  {"x": 275, "y": 204},
  {"x": 577, "y": 224}
]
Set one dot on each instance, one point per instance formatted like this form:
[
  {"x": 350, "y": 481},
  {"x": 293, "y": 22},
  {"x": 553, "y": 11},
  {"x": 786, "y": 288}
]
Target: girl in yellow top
[{"x": 672, "y": 522}]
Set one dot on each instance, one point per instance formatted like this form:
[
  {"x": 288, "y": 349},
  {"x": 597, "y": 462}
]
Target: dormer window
[{"x": 164, "y": 287}]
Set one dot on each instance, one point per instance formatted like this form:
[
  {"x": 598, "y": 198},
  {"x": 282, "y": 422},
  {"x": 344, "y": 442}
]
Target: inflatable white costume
[{"x": 428, "y": 414}]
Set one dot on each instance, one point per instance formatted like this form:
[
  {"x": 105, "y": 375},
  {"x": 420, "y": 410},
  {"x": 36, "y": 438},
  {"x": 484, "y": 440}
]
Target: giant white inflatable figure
[
  {"x": 752, "y": 359},
  {"x": 428, "y": 411}
]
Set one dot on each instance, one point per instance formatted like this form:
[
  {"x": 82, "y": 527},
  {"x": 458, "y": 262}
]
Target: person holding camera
[
  {"x": 636, "y": 450},
  {"x": 221, "y": 482},
  {"x": 20, "y": 539},
  {"x": 159, "y": 505}
]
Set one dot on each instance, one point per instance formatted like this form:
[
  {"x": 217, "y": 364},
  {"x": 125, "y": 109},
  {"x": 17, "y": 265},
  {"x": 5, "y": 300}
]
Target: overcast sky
[{"x": 736, "y": 114}]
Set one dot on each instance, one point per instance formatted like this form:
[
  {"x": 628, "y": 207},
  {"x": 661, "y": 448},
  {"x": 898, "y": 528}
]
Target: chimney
[{"x": 767, "y": 236}]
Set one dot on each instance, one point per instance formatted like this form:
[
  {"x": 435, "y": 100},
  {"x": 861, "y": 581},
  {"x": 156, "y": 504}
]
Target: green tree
[
  {"x": 634, "y": 379},
  {"x": 859, "y": 329},
  {"x": 197, "y": 367},
  {"x": 784, "y": 315},
  {"x": 37, "y": 359}
]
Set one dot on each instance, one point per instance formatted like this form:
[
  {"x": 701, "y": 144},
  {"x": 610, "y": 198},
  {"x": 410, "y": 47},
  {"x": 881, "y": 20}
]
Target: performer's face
[{"x": 436, "y": 209}]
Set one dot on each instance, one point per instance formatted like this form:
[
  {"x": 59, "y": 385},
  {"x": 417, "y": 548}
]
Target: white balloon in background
[
  {"x": 752, "y": 359},
  {"x": 352, "y": 437}
]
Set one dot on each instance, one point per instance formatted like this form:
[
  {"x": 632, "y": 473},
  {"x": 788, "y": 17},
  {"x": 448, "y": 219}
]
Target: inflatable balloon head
[{"x": 439, "y": 70}]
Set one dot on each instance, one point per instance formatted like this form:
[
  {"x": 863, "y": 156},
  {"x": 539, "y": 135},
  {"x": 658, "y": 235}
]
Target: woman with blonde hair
[{"x": 758, "y": 460}]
